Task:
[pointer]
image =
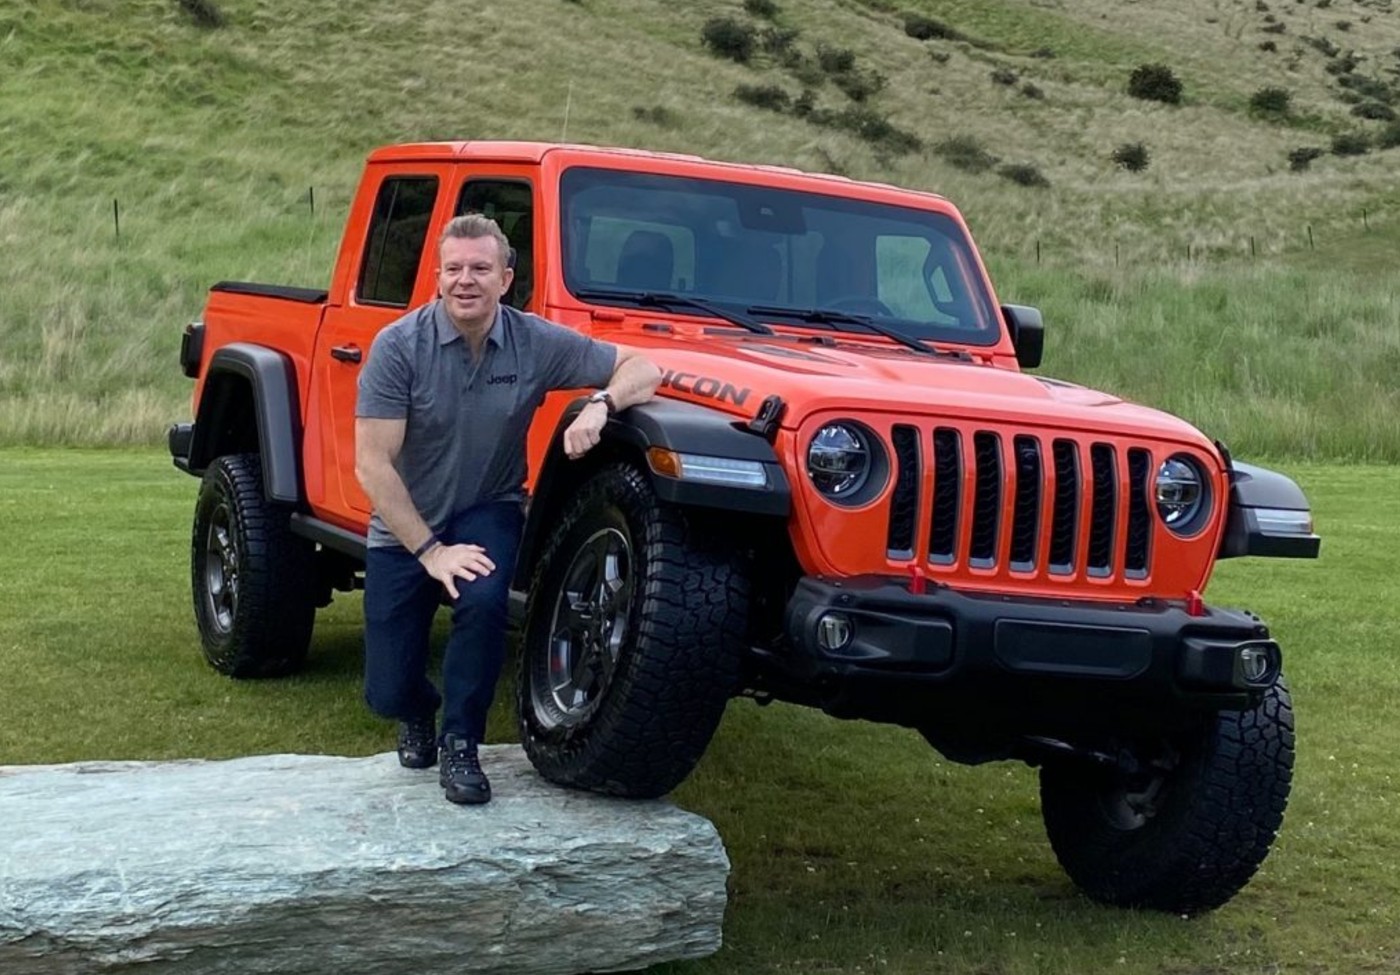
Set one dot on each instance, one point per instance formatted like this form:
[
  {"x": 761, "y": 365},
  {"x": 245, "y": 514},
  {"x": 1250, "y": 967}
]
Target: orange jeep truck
[{"x": 849, "y": 495}]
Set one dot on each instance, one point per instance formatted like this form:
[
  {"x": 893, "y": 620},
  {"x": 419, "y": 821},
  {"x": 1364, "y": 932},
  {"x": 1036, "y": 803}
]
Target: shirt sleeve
[
  {"x": 571, "y": 360},
  {"x": 386, "y": 381}
]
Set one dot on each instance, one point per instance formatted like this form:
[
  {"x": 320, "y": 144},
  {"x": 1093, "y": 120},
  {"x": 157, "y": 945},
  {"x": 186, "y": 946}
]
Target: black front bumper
[{"x": 915, "y": 657}]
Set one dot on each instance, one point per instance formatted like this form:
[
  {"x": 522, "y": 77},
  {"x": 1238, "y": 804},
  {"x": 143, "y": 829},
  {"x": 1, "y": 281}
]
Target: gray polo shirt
[{"x": 467, "y": 419}]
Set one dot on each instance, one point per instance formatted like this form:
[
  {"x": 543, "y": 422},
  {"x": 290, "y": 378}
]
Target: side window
[
  {"x": 394, "y": 247},
  {"x": 511, "y": 205}
]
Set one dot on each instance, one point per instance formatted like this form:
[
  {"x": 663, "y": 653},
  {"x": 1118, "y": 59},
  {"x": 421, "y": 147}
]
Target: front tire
[
  {"x": 252, "y": 579},
  {"x": 633, "y": 638},
  {"x": 1189, "y": 831}
]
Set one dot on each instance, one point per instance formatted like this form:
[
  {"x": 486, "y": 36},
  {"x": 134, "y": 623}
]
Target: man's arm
[
  {"x": 377, "y": 446},
  {"x": 634, "y": 380}
]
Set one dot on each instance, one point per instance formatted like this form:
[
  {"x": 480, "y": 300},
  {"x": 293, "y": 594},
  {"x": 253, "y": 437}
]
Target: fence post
[
  {"x": 1037, "y": 250},
  {"x": 311, "y": 199},
  {"x": 1365, "y": 222},
  {"x": 1251, "y": 247},
  {"x": 1310, "y": 238},
  {"x": 116, "y": 218}
]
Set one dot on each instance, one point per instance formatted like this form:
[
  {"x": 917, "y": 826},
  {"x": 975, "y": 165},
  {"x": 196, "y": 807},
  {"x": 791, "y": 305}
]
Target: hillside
[{"x": 213, "y": 143}]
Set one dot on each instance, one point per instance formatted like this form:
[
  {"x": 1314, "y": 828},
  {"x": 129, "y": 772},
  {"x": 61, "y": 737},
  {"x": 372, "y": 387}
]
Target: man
[{"x": 445, "y": 401}]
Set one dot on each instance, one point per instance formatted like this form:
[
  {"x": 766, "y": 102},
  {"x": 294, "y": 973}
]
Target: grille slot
[
  {"x": 947, "y": 480},
  {"x": 1105, "y": 504},
  {"x": 1139, "y": 516},
  {"x": 986, "y": 505},
  {"x": 904, "y": 501},
  {"x": 1064, "y": 523},
  {"x": 1025, "y": 525}
]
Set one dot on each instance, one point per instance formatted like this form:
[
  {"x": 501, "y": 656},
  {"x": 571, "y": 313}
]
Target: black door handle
[{"x": 346, "y": 353}]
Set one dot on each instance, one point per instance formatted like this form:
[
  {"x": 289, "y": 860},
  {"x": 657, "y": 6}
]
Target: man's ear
[{"x": 507, "y": 278}]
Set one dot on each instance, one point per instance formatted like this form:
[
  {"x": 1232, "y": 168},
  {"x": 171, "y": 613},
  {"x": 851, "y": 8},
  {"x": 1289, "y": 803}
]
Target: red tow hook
[
  {"x": 1195, "y": 605},
  {"x": 918, "y": 582}
]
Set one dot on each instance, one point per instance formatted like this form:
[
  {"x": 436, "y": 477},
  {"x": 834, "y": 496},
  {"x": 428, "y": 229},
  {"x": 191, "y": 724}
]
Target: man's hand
[
  {"x": 448, "y": 563},
  {"x": 586, "y": 430}
]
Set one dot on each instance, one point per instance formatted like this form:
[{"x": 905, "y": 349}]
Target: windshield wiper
[
  {"x": 825, "y": 316},
  {"x": 665, "y": 299}
]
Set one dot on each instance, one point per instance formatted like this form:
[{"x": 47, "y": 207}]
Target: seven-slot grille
[{"x": 1045, "y": 505}]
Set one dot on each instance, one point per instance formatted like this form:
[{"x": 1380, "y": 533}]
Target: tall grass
[{"x": 209, "y": 139}]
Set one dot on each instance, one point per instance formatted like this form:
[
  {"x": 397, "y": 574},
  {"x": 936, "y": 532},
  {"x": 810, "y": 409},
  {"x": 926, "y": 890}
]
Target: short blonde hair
[{"x": 474, "y": 226}]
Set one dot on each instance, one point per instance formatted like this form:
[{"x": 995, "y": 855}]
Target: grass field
[{"x": 856, "y": 849}]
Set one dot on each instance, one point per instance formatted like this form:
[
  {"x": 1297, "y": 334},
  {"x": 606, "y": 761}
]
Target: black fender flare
[
  {"x": 671, "y": 425},
  {"x": 276, "y": 408}
]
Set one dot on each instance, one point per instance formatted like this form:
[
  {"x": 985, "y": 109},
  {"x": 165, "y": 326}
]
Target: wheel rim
[
  {"x": 221, "y": 569},
  {"x": 587, "y": 629}
]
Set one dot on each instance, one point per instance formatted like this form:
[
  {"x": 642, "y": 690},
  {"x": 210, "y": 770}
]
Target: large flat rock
[{"x": 315, "y": 864}]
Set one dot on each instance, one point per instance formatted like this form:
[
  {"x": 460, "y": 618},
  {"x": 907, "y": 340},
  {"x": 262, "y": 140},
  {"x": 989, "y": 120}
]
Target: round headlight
[
  {"x": 1181, "y": 493},
  {"x": 838, "y": 461}
]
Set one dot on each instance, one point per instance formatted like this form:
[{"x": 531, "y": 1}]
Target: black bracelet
[{"x": 423, "y": 549}]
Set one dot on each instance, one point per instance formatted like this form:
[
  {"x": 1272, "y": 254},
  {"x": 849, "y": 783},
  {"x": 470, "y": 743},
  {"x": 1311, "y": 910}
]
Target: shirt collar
[{"x": 447, "y": 332}]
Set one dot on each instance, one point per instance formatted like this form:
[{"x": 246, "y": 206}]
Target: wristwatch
[{"x": 604, "y": 397}]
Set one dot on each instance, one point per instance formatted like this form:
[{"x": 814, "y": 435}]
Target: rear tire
[
  {"x": 1184, "y": 836},
  {"x": 253, "y": 581},
  {"x": 632, "y": 645}
]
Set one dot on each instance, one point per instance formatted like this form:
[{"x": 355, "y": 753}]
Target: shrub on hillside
[
  {"x": 728, "y": 38},
  {"x": 867, "y": 124},
  {"x": 1032, "y": 91},
  {"x": 1269, "y": 47},
  {"x": 1323, "y": 46},
  {"x": 761, "y": 8},
  {"x": 1270, "y": 101},
  {"x": 1371, "y": 88},
  {"x": 205, "y": 13},
  {"x": 1374, "y": 111},
  {"x": 1277, "y": 28},
  {"x": 1155, "y": 83},
  {"x": 1023, "y": 174},
  {"x": 1301, "y": 158},
  {"x": 966, "y": 153},
  {"x": 923, "y": 28},
  {"x": 1345, "y": 64},
  {"x": 1350, "y": 144},
  {"x": 778, "y": 41},
  {"x": 1389, "y": 137},
  {"x": 1132, "y": 156},
  {"x": 771, "y": 97},
  {"x": 656, "y": 115},
  {"x": 835, "y": 60},
  {"x": 859, "y": 85},
  {"x": 1004, "y": 76}
]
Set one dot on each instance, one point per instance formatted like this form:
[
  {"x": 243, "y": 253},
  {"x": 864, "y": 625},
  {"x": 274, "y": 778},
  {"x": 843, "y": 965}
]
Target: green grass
[
  {"x": 210, "y": 139},
  {"x": 855, "y": 848}
]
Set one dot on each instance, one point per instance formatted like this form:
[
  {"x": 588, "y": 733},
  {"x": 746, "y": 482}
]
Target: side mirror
[{"x": 1027, "y": 333}]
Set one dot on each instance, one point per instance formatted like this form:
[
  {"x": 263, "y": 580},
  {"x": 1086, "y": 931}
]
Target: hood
[{"x": 737, "y": 372}]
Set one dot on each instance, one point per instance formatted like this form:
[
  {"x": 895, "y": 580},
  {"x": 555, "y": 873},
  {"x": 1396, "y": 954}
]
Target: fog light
[
  {"x": 834, "y": 631},
  {"x": 1257, "y": 665}
]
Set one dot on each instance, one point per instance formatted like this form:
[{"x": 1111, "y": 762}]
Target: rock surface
[{"x": 315, "y": 864}]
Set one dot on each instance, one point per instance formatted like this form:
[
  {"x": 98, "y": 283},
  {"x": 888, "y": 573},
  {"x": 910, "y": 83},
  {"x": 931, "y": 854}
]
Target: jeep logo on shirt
[{"x": 502, "y": 380}]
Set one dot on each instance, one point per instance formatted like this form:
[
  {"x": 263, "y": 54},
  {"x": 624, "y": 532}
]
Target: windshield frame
[{"x": 980, "y": 325}]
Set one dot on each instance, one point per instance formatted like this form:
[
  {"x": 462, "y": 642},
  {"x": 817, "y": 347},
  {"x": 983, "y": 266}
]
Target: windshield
[{"x": 778, "y": 254}]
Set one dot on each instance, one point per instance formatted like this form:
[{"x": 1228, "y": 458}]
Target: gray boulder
[{"x": 316, "y": 864}]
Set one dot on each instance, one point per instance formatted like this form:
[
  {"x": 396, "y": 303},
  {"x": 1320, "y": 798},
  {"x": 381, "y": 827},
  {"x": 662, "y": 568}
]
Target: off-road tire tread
[
  {"x": 276, "y": 607},
  {"x": 1225, "y": 809},
  {"x": 687, "y": 626}
]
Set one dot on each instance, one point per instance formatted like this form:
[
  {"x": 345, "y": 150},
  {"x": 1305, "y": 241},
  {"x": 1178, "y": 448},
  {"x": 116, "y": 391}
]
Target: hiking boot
[
  {"x": 461, "y": 773},
  {"x": 418, "y": 742}
]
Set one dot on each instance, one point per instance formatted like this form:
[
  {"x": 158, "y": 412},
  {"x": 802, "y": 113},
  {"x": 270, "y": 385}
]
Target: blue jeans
[{"x": 401, "y": 600}]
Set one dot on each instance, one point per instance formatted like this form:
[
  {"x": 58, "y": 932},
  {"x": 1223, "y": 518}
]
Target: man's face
[{"x": 471, "y": 280}]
